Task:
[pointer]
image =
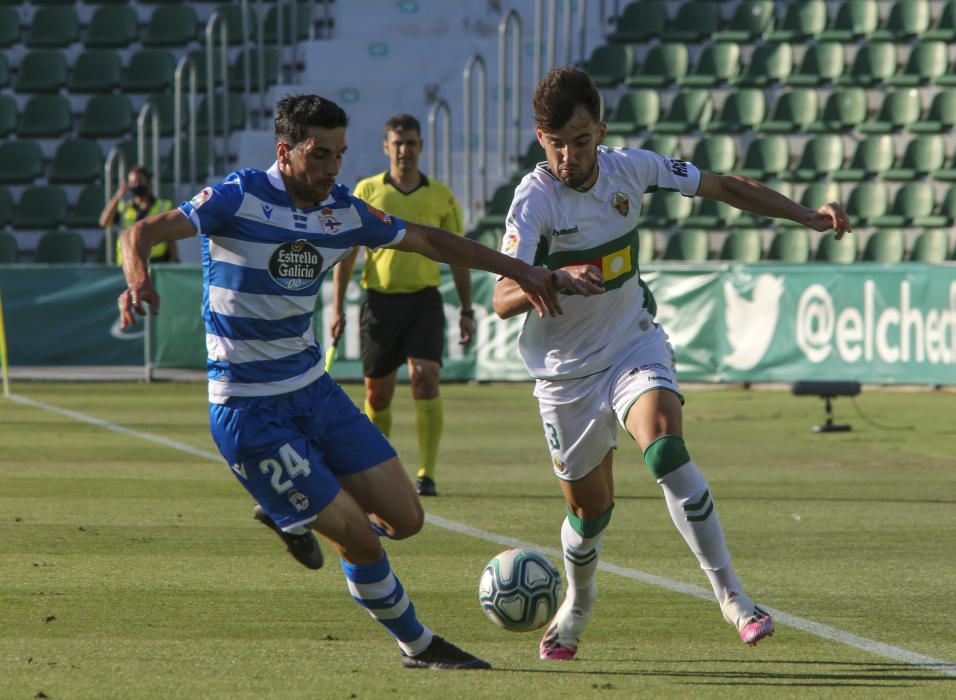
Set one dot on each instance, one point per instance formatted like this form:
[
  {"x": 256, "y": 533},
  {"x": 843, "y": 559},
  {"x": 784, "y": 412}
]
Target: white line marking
[{"x": 870, "y": 646}]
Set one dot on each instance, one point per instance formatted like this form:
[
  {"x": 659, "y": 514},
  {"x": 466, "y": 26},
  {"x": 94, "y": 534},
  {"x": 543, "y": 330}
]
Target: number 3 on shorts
[
  {"x": 292, "y": 463},
  {"x": 552, "y": 436}
]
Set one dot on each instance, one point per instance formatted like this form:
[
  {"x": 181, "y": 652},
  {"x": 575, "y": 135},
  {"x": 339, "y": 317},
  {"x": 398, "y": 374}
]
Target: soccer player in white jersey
[
  {"x": 293, "y": 438},
  {"x": 605, "y": 360}
]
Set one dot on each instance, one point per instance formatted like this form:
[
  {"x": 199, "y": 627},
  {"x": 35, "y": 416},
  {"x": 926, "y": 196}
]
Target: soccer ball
[{"x": 519, "y": 590}]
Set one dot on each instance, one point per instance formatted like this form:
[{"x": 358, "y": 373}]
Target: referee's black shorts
[{"x": 398, "y": 326}]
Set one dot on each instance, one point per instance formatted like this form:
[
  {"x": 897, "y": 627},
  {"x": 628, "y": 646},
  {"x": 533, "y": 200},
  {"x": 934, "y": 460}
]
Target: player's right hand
[
  {"x": 538, "y": 284},
  {"x": 132, "y": 299},
  {"x": 585, "y": 280}
]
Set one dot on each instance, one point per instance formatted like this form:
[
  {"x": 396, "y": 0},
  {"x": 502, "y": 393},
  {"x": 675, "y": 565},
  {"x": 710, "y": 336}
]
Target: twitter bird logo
[{"x": 751, "y": 322}]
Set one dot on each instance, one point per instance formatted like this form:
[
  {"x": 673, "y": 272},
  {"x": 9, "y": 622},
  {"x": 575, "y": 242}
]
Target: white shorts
[{"x": 580, "y": 416}]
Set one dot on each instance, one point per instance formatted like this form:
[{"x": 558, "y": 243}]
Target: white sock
[{"x": 580, "y": 567}]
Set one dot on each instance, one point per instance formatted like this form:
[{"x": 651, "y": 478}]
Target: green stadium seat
[
  {"x": 690, "y": 109},
  {"x": 845, "y": 109},
  {"x": 60, "y": 247},
  {"x": 874, "y": 155},
  {"x": 790, "y": 246},
  {"x": 45, "y": 116},
  {"x": 814, "y": 196},
  {"x": 41, "y": 71},
  {"x": 924, "y": 155},
  {"x": 822, "y": 63},
  {"x": 107, "y": 116},
  {"x": 948, "y": 172},
  {"x": 913, "y": 205},
  {"x": 715, "y": 154},
  {"x": 944, "y": 29},
  {"x": 822, "y": 156},
  {"x": 941, "y": 115},
  {"x": 9, "y": 26},
  {"x": 616, "y": 141},
  {"x": 497, "y": 210},
  {"x": 743, "y": 245},
  {"x": 766, "y": 157},
  {"x": 40, "y": 206},
  {"x": 793, "y": 111},
  {"x": 665, "y": 145},
  {"x": 237, "y": 114},
  {"x": 8, "y": 115},
  {"x": 171, "y": 25},
  {"x": 769, "y": 63},
  {"x": 635, "y": 111},
  {"x": 303, "y": 23},
  {"x": 77, "y": 161},
  {"x": 89, "y": 204},
  {"x": 854, "y": 19},
  {"x": 9, "y": 251},
  {"x": 750, "y": 21},
  {"x": 6, "y": 206},
  {"x": 53, "y": 27},
  {"x": 203, "y": 147},
  {"x": 96, "y": 70},
  {"x": 696, "y": 20},
  {"x": 900, "y": 109},
  {"x": 711, "y": 214},
  {"x": 199, "y": 60},
  {"x": 875, "y": 62},
  {"x": 232, "y": 13},
  {"x": 688, "y": 245},
  {"x": 928, "y": 62},
  {"x": 533, "y": 155},
  {"x": 4, "y": 71},
  {"x": 646, "y": 246},
  {"x": 802, "y": 21},
  {"x": 640, "y": 21},
  {"x": 867, "y": 201},
  {"x": 609, "y": 64},
  {"x": 663, "y": 64},
  {"x": 931, "y": 246},
  {"x": 885, "y": 246},
  {"x": 166, "y": 109},
  {"x": 150, "y": 70},
  {"x": 839, "y": 252},
  {"x": 908, "y": 19},
  {"x": 716, "y": 63},
  {"x": 21, "y": 162},
  {"x": 270, "y": 68},
  {"x": 666, "y": 208},
  {"x": 112, "y": 26},
  {"x": 742, "y": 110}
]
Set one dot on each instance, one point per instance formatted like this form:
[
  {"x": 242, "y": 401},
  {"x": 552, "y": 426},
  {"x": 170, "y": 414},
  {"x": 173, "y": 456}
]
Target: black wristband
[{"x": 467, "y": 313}]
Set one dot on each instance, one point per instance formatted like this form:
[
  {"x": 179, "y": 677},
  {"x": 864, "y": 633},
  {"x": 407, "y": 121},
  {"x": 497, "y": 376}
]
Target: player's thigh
[
  {"x": 386, "y": 492},
  {"x": 578, "y": 433},
  {"x": 383, "y": 323}
]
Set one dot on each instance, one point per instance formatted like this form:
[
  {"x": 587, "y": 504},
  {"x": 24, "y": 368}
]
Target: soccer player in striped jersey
[
  {"x": 605, "y": 361},
  {"x": 290, "y": 434}
]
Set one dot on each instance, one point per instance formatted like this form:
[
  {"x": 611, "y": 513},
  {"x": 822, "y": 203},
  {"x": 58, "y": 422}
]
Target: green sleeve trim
[{"x": 588, "y": 528}]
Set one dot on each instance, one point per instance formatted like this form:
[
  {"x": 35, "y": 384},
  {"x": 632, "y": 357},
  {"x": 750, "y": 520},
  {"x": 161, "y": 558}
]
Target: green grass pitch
[{"x": 129, "y": 569}]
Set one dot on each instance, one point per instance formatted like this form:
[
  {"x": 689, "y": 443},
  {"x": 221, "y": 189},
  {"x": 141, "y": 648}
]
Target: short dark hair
[
  {"x": 294, "y": 114},
  {"x": 402, "y": 122},
  {"x": 559, "y": 93},
  {"x": 142, "y": 171}
]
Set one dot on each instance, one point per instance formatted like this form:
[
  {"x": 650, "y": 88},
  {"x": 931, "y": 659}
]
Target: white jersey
[{"x": 554, "y": 225}]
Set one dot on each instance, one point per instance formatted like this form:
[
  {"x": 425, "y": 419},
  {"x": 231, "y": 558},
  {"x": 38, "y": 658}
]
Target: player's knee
[
  {"x": 410, "y": 523},
  {"x": 378, "y": 400},
  {"x": 665, "y": 455}
]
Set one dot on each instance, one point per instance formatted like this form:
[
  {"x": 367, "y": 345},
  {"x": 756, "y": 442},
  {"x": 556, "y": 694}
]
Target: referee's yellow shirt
[{"x": 432, "y": 203}]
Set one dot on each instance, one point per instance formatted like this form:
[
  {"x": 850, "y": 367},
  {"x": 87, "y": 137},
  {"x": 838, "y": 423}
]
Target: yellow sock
[
  {"x": 429, "y": 421},
  {"x": 382, "y": 419}
]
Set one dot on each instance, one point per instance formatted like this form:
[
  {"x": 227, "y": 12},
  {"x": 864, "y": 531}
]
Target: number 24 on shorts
[{"x": 292, "y": 463}]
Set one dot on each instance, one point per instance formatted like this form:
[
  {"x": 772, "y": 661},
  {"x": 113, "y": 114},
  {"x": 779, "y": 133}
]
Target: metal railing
[
  {"x": 115, "y": 156},
  {"x": 511, "y": 21},
  {"x": 440, "y": 107},
  {"x": 186, "y": 62},
  {"x": 217, "y": 19},
  {"x": 149, "y": 112},
  {"x": 548, "y": 54},
  {"x": 473, "y": 62}
]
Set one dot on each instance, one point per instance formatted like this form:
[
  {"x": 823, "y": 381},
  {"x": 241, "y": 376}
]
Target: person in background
[{"x": 143, "y": 202}]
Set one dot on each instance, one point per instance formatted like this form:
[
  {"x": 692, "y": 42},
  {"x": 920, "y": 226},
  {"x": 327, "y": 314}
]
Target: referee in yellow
[{"x": 402, "y": 317}]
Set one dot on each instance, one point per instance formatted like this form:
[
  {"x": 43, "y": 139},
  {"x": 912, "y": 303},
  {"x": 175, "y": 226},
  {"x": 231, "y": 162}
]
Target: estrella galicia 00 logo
[{"x": 295, "y": 265}]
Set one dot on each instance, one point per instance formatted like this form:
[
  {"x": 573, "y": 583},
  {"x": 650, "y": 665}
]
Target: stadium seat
[
  {"x": 45, "y": 116},
  {"x": 303, "y": 22},
  {"x": 742, "y": 110},
  {"x": 908, "y": 19},
  {"x": 913, "y": 205},
  {"x": 4, "y": 71},
  {"x": 716, "y": 63},
  {"x": 609, "y": 64},
  {"x": 86, "y": 212},
  {"x": 790, "y": 246},
  {"x": 794, "y": 110},
  {"x": 750, "y": 21},
  {"x": 635, "y": 111},
  {"x": 53, "y": 27},
  {"x": 822, "y": 63},
  {"x": 884, "y": 246},
  {"x": 768, "y": 64},
  {"x": 96, "y": 70},
  {"x": 931, "y": 246},
  {"x": 232, "y": 13},
  {"x": 867, "y": 201},
  {"x": 60, "y": 247},
  {"x": 711, "y": 214},
  {"x": 663, "y": 64},
  {"x": 203, "y": 147},
  {"x": 77, "y": 161},
  {"x": 941, "y": 115},
  {"x": 270, "y": 68},
  {"x": 498, "y": 206},
  {"x": 640, "y": 21},
  {"x": 875, "y": 62},
  {"x": 688, "y": 245},
  {"x": 237, "y": 114},
  {"x": 112, "y": 26},
  {"x": 766, "y": 157},
  {"x": 948, "y": 172},
  {"x": 665, "y": 208},
  {"x": 715, "y": 154},
  {"x": 199, "y": 61},
  {"x": 107, "y": 116},
  {"x": 533, "y": 155},
  {"x": 845, "y": 109},
  {"x": 854, "y": 19},
  {"x": 9, "y": 251},
  {"x": 924, "y": 155},
  {"x": 166, "y": 109},
  {"x": 150, "y": 70},
  {"x": 21, "y": 162},
  {"x": 814, "y": 196},
  {"x": 8, "y": 115},
  {"x": 822, "y": 156},
  {"x": 9, "y": 26},
  {"x": 41, "y": 71},
  {"x": 646, "y": 246},
  {"x": 6, "y": 206},
  {"x": 40, "y": 206},
  {"x": 665, "y": 145},
  {"x": 840, "y": 252},
  {"x": 900, "y": 109},
  {"x": 696, "y": 20},
  {"x": 171, "y": 25},
  {"x": 690, "y": 109},
  {"x": 874, "y": 155},
  {"x": 616, "y": 141},
  {"x": 928, "y": 62},
  {"x": 802, "y": 21},
  {"x": 743, "y": 245},
  {"x": 944, "y": 29}
]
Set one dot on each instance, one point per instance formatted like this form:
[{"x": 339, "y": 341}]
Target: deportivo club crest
[
  {"x": 621, "y": 202},
  {"x": 295, "y": 265}
]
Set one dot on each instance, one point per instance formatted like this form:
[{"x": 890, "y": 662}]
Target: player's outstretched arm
[
  {"x": 136, "y": 243},
  {"x": 752, "y": 196},
  {"x": 434, "y": 243},
  {"x": 585, "y": 280}
]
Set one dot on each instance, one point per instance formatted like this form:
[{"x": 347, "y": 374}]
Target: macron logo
[{"x": 267, "y": 210}]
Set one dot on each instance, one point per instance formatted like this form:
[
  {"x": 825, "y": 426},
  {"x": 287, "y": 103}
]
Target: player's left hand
[
  {"x": 466, "y": 328},
  {"x": 132, "y": 299},
  {"x": 831, "y": 216},
  {"x": 538, "y": 284}
]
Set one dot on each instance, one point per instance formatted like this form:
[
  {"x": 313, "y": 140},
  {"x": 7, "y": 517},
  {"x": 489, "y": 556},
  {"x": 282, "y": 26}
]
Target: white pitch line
[{"x": 870, "y": 646}]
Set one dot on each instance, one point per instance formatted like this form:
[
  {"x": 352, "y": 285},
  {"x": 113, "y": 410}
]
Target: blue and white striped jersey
[{"x": 263, "y": 265}]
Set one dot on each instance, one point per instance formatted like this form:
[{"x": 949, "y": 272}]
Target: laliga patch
[
  {"x": 201, "y": 198},
  {"x": 510, "y": 244},
  {"x": 379, "y": 214},
  {"x": 296, "y": 265}
]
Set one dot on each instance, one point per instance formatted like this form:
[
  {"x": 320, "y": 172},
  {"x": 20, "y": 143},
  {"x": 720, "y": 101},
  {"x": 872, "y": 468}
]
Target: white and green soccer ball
[{"x": 519, "y": 590}]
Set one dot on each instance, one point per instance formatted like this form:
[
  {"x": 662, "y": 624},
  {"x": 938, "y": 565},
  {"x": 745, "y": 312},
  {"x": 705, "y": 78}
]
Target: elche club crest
[
  {"x": 621, "y": 202},
  {"x": 295, "y": 265}
]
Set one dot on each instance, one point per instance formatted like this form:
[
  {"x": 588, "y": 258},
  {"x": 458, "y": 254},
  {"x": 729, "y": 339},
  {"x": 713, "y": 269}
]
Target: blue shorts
[{"x": 289, "y": 450}]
